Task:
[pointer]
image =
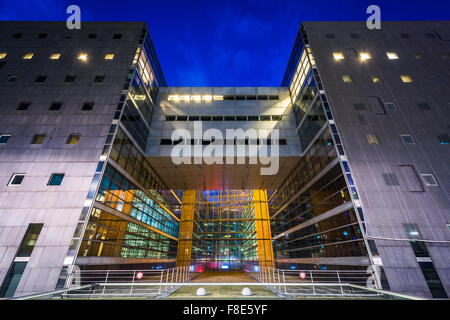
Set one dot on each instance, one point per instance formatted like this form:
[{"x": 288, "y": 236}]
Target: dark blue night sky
[{"x": 224, "y": 43}]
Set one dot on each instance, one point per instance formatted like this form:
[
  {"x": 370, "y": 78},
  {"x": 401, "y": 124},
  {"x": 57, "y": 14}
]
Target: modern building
[{"x": 358, "y": 133}]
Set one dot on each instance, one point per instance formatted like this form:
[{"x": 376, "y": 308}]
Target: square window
[
  {"x": 109, "y": 56},
  {"x": 3, "y": 55},
  {"x": 408, "y": 139},
  {"x": 444, "y": 139},
  {"x": 83, "y": 56},
  {"x": 429, "y": 179},
  {"x": 73, "y": 138},
  {"x": 346, "y": 78},
  {"x": 70, "y": 79},
  {"x": 423, "y": 106},
  {"x": 376, "y": 79},
  {"x": 391, "y": 106},
  {"x": 38, "y": 139},
  {"x": 56, "y": 179},
  {"x": 372, "y": 138},
  {"x": 4, "y": 138},
  {"x": 42, "y": 35},
  {"x": 338, "y": 56},
  {"x": 88, "y": 106},
  {"x": 40, "y": 78},
  {"x": 99, "y": 79},
  {"x": 12, "y": 78},
  {"x": 17, "y": 35},
  {"x": 92, "y": 36},
  {"x": 55, "y": 56},
  {"x": 364, "y": 56},
  {"x": 117, "y": 36},
  {"x": 23, "y": 105},
  {"x": 406, "y": 79},
  {"x": 28, "y": 56},
  {"x": 16, "y": 179},
  {"x": 392, "y": 55},
  {"x": 55, "y": 106}
]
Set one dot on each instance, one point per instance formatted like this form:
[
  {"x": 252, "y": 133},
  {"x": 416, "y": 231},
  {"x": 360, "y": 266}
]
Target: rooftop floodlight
[
  {"x": 338, "y": 56},
  {"x": 364, "y": 56}
]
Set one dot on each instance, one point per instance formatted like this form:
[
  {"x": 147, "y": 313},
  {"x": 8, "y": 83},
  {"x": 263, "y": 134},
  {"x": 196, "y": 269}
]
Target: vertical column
[
  {"x": 263, "y": 233},
  {"x": 186, "y": 227}
]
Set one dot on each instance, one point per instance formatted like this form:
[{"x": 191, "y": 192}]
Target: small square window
[
  {"x": 171, "y": 118},
  {"x": 42, "y": 35},
  {"x": 372, "y": 138},
  {"x": 391, "y": 106},
  {"x": 23, "y": 105},
  {"x": 3, "y": 55},
  {"x": 364, "y": 56},
  {"x": 16, "y": 179},
  {"x": 4, "y": 138},
  {"x": 423, "y": 106},
  {"x": 55, "y": 56},
  {"x": 38, "y": 139},
  {"x": 117, "y": 36},
  {"x": 73, "y": 138},
  {"x": 17, "y": 35},
  {"x": 264, "y": 118},
  {"x": 346, "y": 78},
  {"x": 406, "y": 79},
  {"x": 408, "y": 139},
  {"x": 444, "y": 139},
  {"x": 99, "y": 79},
  {"x": 392, "y": 55},
  {"x": 429, "y": 179},
  {"x": 88, "y": 106},
  {"x": 55, "y": 106},
  {"x": 82, "y": 56},
  {"x": 69, "y": 79},
  {"x": 376, "y": 79},
  {"x": 253, "y": 118},
  {"x": 40, "y": 78},
  {"x": 338, "y": 56},
  {"x": 109, "y": 56},
  {"x": 12, "y": 78},
  {"x": 67, "y": 36},
  {"x": 56, "y": 179},
  {"x": 92, "y": 36},
  {"x": 28, "y": 56}
]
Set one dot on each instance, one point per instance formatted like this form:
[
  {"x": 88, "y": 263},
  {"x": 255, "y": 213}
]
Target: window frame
[{"x": 14, "y": 175}]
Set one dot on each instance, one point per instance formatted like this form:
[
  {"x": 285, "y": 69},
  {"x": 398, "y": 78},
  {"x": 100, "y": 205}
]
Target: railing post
[
  {"x": 160, "y": 280},
  {"x": 173, "y": 273},
  {"x": 312, "y": 281},
  {"x": 132, "y": 282},
  {"x": 279, "y": 281},
  {"x": 339, "y": 281},
  {"x": 284, "y": 281},
  {"x": 106, "y": 280}
]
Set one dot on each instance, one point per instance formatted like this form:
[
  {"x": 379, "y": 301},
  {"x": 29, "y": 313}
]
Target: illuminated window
[
  {"x": 56, "y": 179},
  {"x": 376, "y": 79},
  {"x": 28, "y": 56},
  {"x": 372, "y": 138},
  {"x": 338, "y": 56},
  {"x": 83, "y": 56},
  {"x": 196, "y": 98},
  {"x": 392, "y": 55},
  {"x": 429, "y": 180},
  {"x": 12, "y": 78},
  {"x": 109, "y": 56},
  {"x": 55, "y": 56},
  {"x": 218, "y": 97},
  {"x": 38, "y": 139},
  {"x": 174, "y": 98},
  {"x": 364, "y": 56},
  {"x": 185, "y": 98},
  {"x": 73, "y": 138},
  {"x": 3, "y": 55},
  {"x": 206, "y": 98},
  {"x": 406, "y": 78},
  {"x": 346, "y": 78},
  {"x": 418, "y": 56}
]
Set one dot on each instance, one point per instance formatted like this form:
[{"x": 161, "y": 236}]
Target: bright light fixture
[
  {"x": 206, "y": 98},
  {"x": 392, "y": 55},
  {"x": 109, "y": 56},
  {"x": 28, "y": 56},
  {"x": 406, "y": 78},
  {"x": 55, "y": 56},
  {"x": 196, "y": 98},
  {"x": 364, "y": 56},
  {"x": 174, "y": 98},
  {"x": 185, "y": 98},
  {"x": 218, "y": 97},
  {"x": 338, "y": 56},
  {"x": 83, "y": 56},
  {"x": 3, "y": 55}
]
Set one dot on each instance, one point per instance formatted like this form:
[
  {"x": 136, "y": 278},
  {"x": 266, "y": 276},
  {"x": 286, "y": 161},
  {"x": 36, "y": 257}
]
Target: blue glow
[
  {"x": 324, "y": 268},
  {"x": 345, "y": 233},
  {"x": 225, "y": 266},
  {"x": 293, "y": 267}
]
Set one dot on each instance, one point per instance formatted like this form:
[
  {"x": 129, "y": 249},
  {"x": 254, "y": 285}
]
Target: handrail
[{"x": 42, "y": 294}]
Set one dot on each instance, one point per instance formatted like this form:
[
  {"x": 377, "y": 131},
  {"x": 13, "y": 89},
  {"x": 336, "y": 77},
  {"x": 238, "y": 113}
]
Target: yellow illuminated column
[
  {"x": 186, "y": 227},
  {"x": 263, "y": 234}
]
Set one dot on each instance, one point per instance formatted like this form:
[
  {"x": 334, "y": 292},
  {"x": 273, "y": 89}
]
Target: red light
[
  {"x": 302, "y": 275},
  {"x": 139, "y": 275},
  {"x": 200, "y": 269}
]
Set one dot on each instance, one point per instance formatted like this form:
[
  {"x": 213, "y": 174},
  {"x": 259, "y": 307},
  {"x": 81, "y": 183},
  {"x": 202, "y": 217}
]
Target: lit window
[
  {"x": 346, "y": 78},
  {"x": 376, "y": 79},
  {"x": 406, "y": 78},
  {"x": 196, "y": 98},
  {"x": 73, "y": 138},
  {"x": 38, "y": 139},
  {"x": 392, "y": 55},
  {"x": 28, "y": 56},
  {"x": 185, "y": 98},
  {"x": 429, "y": 180},
  {"x": 444, "y": 139},
  {"x": 83, "y": 56},
  {"x": 408, "y": 139},
  {"x": 3, "y": 55},
  {"x": 16, "y": 179},
  {"x": 206, "y": 98},
  {"x": 12, "y": 78},
  {"x": 55, "y": 56},
  {"x": 109, "y": 56},
  {"x": 218, "y": 97},
  {"x": 364, "y": 56},
  {"x": 174, "y": 98},
  {"x": 418, "y": 56},
  {"x": 391, "y": 106},
  {"x": 4, "y": 138},
  {"x": 338, "y": 56},
  {"x": 372, "y": 138},
  {"x": 56, "y": 179}
]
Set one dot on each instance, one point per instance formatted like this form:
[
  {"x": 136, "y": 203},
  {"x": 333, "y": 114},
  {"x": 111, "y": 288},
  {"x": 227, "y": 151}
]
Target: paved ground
[{"x": 225, "y": 276}]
